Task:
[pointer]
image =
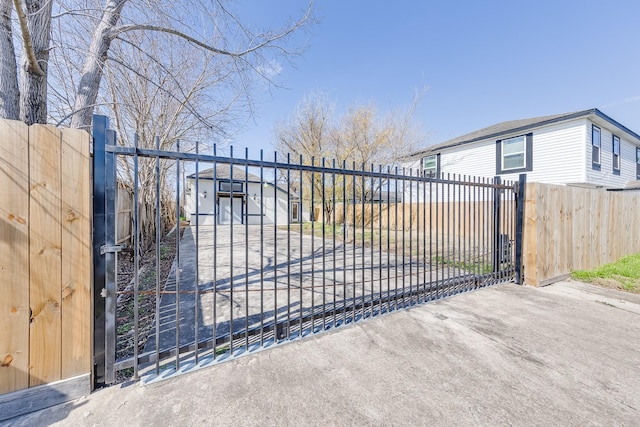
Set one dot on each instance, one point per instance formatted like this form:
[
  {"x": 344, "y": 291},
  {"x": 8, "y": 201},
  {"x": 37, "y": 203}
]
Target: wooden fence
[
  {"x": 45, "y": 256},
  {"x": 569, "y": 228}
]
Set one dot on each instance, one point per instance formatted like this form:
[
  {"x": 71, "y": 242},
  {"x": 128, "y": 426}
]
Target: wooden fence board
[
  {"x": 569, "y": 228},
  {"x": 45, "y": 245},
  {"x": 14, "y": 256},
  {"x": 76, "y": 254},
  {"x": 530, "y": 236}
]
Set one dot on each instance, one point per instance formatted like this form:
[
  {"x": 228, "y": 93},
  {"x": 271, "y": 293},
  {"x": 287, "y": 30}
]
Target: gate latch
[{"x": 111, "y": 249}]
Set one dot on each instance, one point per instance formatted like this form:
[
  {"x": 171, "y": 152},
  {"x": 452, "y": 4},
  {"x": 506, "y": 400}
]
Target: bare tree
[
  {"x": 361, "y": 138},
  {"x": 210, "y": 28},
  {"x": 158, "y": 104},
  {"x": 307, "y": 135}
]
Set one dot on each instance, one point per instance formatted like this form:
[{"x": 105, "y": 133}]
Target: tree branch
[
  {"x": 145, "y": 27},
  {"x": 34, "y": 67}
]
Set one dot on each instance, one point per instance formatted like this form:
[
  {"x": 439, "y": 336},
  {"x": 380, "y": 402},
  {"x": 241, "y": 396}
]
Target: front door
[{"x": 227, "y": 211}]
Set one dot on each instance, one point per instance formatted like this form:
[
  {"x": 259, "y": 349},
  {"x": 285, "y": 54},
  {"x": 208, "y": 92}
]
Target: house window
[
  {"x": 514, "y": 154},
  {"x": 595, "y": 146},
  {"x": 431, "y": 165},
  {"x": 637, "y": 162},
  {"x": 616, "y": 154},
  {"x": 295, "y": 212},
  {"x": 226, "y": 187}
]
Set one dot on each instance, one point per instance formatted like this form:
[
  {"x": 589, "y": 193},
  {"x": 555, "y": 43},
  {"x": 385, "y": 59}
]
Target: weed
[
  {"x": 222, "y": 350},
  {"x": 622, "y": 274}
]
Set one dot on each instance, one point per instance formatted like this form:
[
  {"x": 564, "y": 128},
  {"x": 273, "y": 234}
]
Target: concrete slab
[
  {"x": 505, "y": 355},
  {"x": 275, "y": 272}
]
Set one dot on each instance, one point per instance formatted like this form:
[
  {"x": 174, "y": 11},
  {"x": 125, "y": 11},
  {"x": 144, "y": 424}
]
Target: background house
[
  {"x": 585, "y": 148},
  {"x": 239, "y": 199}
]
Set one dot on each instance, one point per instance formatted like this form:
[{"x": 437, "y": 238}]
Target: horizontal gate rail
[
  {"x": 271, "y": 251},
  {"x": 206, "y": 158},
  {"x": 463, "y": 283}
]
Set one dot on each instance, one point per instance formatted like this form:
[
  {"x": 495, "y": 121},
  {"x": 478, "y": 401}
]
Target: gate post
[
  {"x": 497, "y": 240},
  {"x": 109, "y": 252},
  {"x": 520, "y": 200},
  {"x": 100, "y": 124},
  {"x": 104, "y": 268}
]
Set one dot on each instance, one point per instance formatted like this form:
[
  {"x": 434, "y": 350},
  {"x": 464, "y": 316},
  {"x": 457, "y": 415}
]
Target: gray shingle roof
[
  {"x": 508, "y": 127},
  {"x": 223, "y": 171},
  {"x": 514, "y": 126}
]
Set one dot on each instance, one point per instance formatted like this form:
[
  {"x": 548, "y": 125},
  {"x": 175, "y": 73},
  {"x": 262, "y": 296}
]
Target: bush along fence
[{"x": 45, "y": 266}]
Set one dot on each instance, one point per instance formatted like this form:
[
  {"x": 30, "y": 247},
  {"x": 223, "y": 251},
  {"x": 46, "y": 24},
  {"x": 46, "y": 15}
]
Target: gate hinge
[{"x": 111, "y": 248}]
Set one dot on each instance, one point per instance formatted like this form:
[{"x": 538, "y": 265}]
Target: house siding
[
  {"x": 551, "y": 160},
  {"x": 252, "y": 207},
  {"x": 605, "y": 176},
  {"x": 561, "y": 154}
]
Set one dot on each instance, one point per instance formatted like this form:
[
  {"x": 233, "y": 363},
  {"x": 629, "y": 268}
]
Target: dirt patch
[
  {"x": 125, "y": 343},
  {"x": 619, "y": 282}
]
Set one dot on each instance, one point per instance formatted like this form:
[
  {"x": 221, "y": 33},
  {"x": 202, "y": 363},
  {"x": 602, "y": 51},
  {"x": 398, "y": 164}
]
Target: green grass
[
  {"x": 623, "y": 274},
  {"x": 473, "y": 266}
]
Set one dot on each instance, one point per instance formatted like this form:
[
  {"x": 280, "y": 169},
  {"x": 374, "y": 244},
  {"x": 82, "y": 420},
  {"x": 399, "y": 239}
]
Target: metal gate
[{"x": 366, "y": 242}]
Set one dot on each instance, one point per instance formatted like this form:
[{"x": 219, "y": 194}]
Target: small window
[
  {"x": 295, "y": 212},
  {"x": 514, "y": 154},
  {"x": 595, "y": 146},
  {"x": 226, "y": 187},
  {"x": 431, "y": 165},
  {"x": 616, "y": 153},
  {"x": 637, "y": 162}
]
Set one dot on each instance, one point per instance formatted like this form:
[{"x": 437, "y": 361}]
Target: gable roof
[
  {"x": 223, "y": 172},
  {"x": 522, "y": 125}
]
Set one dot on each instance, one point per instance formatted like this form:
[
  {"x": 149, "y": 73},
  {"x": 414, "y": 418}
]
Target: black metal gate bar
[
  {"x": 110, "y": 253},
  {"x": 100, "y": 125},
  {"x": 451, "y": 234},
  {"x": 519, "y": 226}
]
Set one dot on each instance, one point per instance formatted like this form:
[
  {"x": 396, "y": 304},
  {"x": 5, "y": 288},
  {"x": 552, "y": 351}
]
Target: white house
[
  {"x": 240, "y": 199},
  {"x": 585, "y": 148}
]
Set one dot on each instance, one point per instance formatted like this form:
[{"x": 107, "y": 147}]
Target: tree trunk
[
  {"x": 94, "y": 65},
  {"x": 9, "y": 95},
  {"x": 33, "y": 83}
]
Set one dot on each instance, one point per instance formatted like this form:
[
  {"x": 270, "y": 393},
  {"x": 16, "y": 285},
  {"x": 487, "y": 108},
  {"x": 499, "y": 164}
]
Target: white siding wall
[
  {"x": 561, "y": 155},
  {"x": 605, "y": 175},
  {"x": 558, "y": 156},
  {"x": 206, "y": 204}
]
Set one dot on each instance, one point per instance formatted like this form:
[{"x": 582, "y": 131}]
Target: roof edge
[{"x": 569, "y": 116}]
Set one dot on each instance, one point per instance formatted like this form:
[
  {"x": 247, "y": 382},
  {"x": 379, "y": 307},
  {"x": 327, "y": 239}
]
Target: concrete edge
[{"x": 43, "y": 396}]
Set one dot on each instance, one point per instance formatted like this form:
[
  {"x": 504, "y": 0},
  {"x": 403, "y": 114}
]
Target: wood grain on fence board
[
  {"x": 45, "y": 244},
  {"x": 76, "y": 253},
  {"x": 571, "y": 228},
  {"x": 14, "y": 256}
]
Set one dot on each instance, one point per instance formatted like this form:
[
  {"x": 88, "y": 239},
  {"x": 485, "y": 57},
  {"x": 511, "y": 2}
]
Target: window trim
[
  {"x": 432, "y": 173},
  {"x": 231, "y": 185},
  {"x": 615, "y": 157},
  {"x": 637, "y": 162},
  {"x": 596, "y": 164},
  {"x": 295, "y": 218},
  {"x": 528, "y": 155}
]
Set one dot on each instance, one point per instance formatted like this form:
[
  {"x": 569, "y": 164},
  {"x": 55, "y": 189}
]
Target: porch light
[{"x": 204, "y": 193}]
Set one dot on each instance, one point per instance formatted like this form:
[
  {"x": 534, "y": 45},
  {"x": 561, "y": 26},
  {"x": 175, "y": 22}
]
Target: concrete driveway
[
  {"x": 566, "y": 354},
  {"x": 263, "y": 273}
]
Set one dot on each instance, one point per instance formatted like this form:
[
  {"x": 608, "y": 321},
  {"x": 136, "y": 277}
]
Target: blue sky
[{"x": 483, "y": 62}]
